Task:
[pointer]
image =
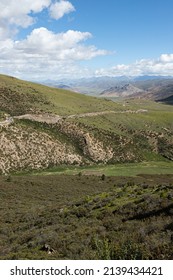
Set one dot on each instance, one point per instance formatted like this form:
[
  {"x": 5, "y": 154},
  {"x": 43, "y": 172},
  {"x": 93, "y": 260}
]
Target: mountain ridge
[{"x": 96, "y": 85}]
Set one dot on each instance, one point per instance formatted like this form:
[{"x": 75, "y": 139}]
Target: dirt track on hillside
[{"x": 52, "y": 119}]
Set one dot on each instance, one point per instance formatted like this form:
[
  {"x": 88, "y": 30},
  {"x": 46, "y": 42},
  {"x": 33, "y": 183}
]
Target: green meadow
[{"x": 125, "y": 169}]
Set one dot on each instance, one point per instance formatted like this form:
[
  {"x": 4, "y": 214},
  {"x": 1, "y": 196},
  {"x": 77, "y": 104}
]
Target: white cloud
[
  {"x": 45, "y": 42},
  {"x": 18, "y": 12},
  {"x": 22, "y": 13},
  {"x": 166, "y": 58},
  {"x": 45, "y": 53},
  {"x": 161, "y": 66},
  {"x": 60, "y": 8},
  {"x": 42, "y": 53}
]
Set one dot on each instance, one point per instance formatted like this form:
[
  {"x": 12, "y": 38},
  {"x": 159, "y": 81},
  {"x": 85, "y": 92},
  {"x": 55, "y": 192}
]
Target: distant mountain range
[
  {"x": 122, "y": 91},
  {"x": 155, "y": 88},
  {"x": 90, "y": 86}
]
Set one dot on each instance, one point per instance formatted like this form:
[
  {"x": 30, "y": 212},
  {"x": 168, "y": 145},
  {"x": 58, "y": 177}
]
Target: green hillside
[
  {"x": 86, "y": 217},
  {"x": 20, "y": 97},
  {"x": 43, "y": 127}
]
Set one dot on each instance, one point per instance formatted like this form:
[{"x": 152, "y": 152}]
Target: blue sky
[{"x": 56, "y": 39}]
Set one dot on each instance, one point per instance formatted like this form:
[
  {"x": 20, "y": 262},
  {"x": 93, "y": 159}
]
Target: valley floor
[{"x": 120, "y": 169}]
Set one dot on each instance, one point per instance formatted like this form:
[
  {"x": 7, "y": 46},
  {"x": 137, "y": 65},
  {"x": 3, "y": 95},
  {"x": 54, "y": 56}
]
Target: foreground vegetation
[{"x": 86, "y": 217}]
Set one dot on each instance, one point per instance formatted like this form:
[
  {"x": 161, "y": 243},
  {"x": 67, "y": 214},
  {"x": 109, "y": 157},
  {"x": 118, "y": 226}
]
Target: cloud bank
[
  {"x": 44, "y": 53},
  {"x": 161, "y": 66}
]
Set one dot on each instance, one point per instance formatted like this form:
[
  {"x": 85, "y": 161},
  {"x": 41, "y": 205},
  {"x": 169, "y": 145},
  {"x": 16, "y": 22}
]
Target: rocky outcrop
[
  {"x": 28, "y": 149},
  {"x": 23, "y": 147},
  {"x": 90, "y": 146},
  {"x": 96, "y": 150}
]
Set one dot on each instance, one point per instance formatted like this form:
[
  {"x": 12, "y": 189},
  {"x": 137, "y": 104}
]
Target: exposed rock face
[
  {"x": 21, "y": 149},
  {"x": 28, "y": 148},
  {"x": 96, "y": 149},
  {"x": 91, "y": 147}
]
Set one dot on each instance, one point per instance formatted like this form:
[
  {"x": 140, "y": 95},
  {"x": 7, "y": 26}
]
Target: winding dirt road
[{"x": 52, "y": 119}]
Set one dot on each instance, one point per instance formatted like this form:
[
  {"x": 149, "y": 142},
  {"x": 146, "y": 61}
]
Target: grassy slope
[
  {"x": 86, "y": 217},
  {"x": 61, "y": 101},
  {"x": 142, "y": 130},
  {"x": 27, "y": 95},
  {"x": 66, "y": 102},
  {"x": 156, "y": 116}
]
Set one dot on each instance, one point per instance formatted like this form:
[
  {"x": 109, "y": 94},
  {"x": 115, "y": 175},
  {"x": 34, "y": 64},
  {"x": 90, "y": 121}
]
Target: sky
[{"x": 60, "y": 39}]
